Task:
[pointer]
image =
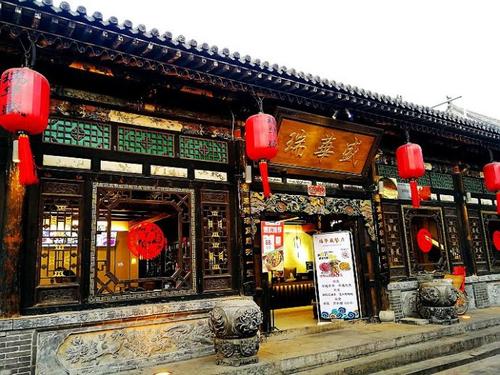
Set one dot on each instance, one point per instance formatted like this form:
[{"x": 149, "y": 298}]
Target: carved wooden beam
[{"x": 101, "y": 114}]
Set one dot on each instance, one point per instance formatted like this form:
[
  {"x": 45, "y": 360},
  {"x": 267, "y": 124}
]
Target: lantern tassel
[
  {"x": 265, "y": 178},
  {"x": 27, "y": 172},
  {"x": 415, "y": 197},
  {"x": 498, "y": 202}
]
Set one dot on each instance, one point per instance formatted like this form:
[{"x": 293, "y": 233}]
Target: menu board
[
  {"x": 336, "y": 281},
  {"x": 272, "y": 234}
]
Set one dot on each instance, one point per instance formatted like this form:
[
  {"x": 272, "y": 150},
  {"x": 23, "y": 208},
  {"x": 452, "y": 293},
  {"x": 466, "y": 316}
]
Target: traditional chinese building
[{"x": 149, "y": 128}]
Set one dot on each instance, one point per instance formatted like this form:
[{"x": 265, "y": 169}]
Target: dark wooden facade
[{"x": 142, "y": 121}]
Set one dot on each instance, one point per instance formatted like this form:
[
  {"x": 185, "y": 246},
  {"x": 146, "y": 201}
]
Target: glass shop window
[
  {"x": 143, "y": 242},
  {"x": 58, "y": 265}
]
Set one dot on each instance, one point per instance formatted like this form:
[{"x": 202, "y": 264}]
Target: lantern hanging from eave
[
  {"x": 24, "y": 110},
  {"x": 491, "y": 173},
  {"x": 261, "y": 140},
  {"x": 410, "y": 162},
  {"x": 146, "y": 240}
]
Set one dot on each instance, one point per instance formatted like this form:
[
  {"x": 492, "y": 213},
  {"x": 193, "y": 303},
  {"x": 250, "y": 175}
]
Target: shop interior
[{"x": 293, "y": 292}]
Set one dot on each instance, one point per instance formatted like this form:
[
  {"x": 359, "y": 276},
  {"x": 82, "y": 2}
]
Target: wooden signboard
[{"x": 308, "y": 144}]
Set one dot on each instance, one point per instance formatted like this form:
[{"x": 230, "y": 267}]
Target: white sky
[{"x": 422, "y": 50}]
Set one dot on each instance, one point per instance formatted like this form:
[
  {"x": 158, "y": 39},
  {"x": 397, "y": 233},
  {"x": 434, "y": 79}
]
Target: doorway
[{"x": 292, "y": 289}]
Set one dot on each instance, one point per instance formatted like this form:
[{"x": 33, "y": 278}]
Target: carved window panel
[
  {"x": 78, "y": 133},
  {"x": 451, "y": 222},
  {"x": 216, "y": 240},
  {"x": 59, "y": 243},
  {"x": 203, "y": 149},
  {"x": 478, "y": 246},
  {"x": 393, "y": 240},
  {"x": 441, "y": 181},
  {"x": 122, "y": 268},
  {"x": 491, "y": 225},
  {"x": 429, "y": 220},
  {"x": 148, "y": 142},
  {"x": 474, "y": 185}
]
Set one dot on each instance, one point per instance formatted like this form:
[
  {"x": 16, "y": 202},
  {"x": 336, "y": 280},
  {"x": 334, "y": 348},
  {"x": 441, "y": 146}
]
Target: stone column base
[{"x": 236, "y": 352}]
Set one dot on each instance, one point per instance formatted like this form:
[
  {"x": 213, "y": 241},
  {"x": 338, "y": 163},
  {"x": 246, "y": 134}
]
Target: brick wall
[
  {"x": 396, "y": 303},
  {"x": 16, "y": 352},
  {"x": 481, "y": 295}
]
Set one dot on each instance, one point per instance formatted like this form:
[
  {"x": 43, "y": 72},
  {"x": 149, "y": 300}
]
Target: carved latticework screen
[
  {"x": 216, "y": 240},
  {"x": 58, "y": 268},
  {"x": 393, "y": 240},
  {"x": 478, "y": 246},
  {"x": 117, "y": 271}
]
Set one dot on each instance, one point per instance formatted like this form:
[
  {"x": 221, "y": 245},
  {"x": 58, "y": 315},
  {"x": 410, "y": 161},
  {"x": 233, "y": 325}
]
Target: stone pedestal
[
  {"x": 235, "y": 325},
  {"x": 436, "y": 301}
]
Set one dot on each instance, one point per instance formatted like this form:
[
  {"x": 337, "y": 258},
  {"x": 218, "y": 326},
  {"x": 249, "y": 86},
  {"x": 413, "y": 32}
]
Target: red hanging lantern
[
  {"x": 24, "y": 109},
  {"x": 146, "y": 240},
  {"x": 410, "y": 163},
  {"x": 261, "y": 139},
  {"x": 424, "y": 240},
  {"x": 496, "y": 240},
  {"x": 491, "y": 173}
]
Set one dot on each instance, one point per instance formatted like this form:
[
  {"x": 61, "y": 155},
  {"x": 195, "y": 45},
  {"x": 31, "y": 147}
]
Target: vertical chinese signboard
[
  {"x": 272, "y": 234},
  {"x": 336, "y": 281}
]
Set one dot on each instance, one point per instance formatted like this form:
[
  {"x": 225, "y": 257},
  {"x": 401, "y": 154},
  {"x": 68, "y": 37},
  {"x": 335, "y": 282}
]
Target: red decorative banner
[
  {"x": 316, "y": 190},
  {"x": 273, "y": 236}
]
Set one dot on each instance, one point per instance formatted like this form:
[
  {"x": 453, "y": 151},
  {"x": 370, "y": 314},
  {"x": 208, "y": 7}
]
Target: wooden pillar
[
  {"x": 10, "y": 245},
  {"x": 465, "y": 233}
]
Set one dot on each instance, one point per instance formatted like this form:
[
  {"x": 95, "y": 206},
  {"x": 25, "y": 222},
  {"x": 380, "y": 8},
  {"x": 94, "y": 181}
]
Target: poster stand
[{"x": 335, "y": 277}]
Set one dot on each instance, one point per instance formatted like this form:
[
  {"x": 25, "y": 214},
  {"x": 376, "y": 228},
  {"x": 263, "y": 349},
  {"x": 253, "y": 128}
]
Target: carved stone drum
[
  {"x": 436, "y": 301},
  {"x": 235, "y": 324}
]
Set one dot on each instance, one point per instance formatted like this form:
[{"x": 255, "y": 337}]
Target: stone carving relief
[
  {"x": 410, "y": 304},
  {"x": 90, "y": 349}
]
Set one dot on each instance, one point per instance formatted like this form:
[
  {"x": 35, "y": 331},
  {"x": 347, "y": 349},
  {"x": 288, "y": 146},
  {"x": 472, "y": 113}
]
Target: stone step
[
  {"x": 290, "y": 354},
  {"x": 392, "y": 359},
  {"x": 435, "y": 365}
]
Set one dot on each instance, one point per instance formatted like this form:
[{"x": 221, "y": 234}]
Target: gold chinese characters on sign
[{"x": 306, "y": 146}]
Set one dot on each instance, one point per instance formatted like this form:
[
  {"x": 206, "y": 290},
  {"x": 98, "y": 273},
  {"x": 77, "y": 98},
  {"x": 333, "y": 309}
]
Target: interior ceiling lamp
[
  {"x": 491, "y": 173},
  {"x": 261, "y": 142},
  {"x": 410, "y": 163},
  {"x": 24, "y": 110}
]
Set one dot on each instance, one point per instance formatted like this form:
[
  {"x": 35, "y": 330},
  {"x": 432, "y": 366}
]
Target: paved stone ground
[
  {"x": 356, "y": 338},
  {"x": 488, "y": 366}
]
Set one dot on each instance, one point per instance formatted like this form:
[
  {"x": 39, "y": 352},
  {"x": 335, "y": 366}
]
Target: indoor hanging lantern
[
  {"x": 24, "y": 110},
  {"x": 410, "y": 162},
  {"x": 261, "y": 141},
  {"x": 146, "y": 240},
  {"x": 491, "y": 173}
]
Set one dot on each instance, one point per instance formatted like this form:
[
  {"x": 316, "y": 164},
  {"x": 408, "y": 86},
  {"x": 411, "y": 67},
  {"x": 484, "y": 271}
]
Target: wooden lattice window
[
  {"x": 203, "y": 149},
  {"x": 58, "y": 268},
  {"x": 117, "y": 271},
  {"x": 148, "y": 142},
  {"x": 216, "y": 240},
  {"x": 78, "y": 133}
]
